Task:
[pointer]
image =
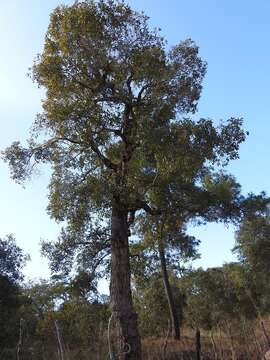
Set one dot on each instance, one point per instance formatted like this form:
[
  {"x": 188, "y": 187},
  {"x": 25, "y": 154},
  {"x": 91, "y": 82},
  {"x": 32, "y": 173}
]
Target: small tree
[
  {"x": 206, "y": 196},
  {"x": 152, "y": 304},
  {"x": 164, "y": 248}
]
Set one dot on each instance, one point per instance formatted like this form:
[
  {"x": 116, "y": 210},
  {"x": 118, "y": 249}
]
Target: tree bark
[
  {"x": 120, "y": 288},
  {"x": 168, "y": 290}
]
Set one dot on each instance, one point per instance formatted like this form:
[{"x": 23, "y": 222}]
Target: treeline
[
  {"x": 69, "y": 318},
  {"x": 45, "y": 319}
]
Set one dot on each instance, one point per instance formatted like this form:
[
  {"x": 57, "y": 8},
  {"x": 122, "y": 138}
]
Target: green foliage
[
  {"x": 112, "y": 125},
  {"x": 180, "y": 248},
  {"x": 216, "y": 295},
  {"x": 253, "y": 249},
  {"x": 84, "y": 323},
  {"x": 12, "y": 259},
  {"x": 90, "y": 248},
  {"x": 9, "y": 317},
  {"x": 253, "y": 243},
  {"x": 82, "y": 320},
  {"x": 152, "y": 306}
]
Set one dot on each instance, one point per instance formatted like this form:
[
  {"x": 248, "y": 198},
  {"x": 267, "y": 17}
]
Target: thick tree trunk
[
  {"x": 168, "y": 290},
  {"x": 120, "y": 289}
]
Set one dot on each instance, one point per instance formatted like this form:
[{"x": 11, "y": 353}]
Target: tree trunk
[
  {"x": 120, "y": 289},
  {"x": 168, "y": 290}
]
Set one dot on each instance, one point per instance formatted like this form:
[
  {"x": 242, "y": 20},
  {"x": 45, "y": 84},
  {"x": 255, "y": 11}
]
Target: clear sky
[{"x": 234, "y": 38}]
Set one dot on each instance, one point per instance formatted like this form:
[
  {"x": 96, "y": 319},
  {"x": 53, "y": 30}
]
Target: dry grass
[
  {"x": 245, "y": 343},
  {"x": 248, "y": 344}
]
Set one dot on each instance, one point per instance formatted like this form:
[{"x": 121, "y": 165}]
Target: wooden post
[
  {"x": 198, "y": 344},
  {"x": 214, "y": 344},
  {"x": 20, "y": 343},
  {"x": 60, "y": 344}
]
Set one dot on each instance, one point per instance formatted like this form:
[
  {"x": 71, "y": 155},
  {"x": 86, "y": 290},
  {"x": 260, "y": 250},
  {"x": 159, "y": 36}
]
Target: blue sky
[{"x": 234, "y": 39}]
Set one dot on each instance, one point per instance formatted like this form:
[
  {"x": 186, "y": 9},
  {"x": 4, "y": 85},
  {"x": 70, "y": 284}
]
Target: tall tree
[
  {"x": 111, "y": 128},
  {"x": 163, "y": 248}
]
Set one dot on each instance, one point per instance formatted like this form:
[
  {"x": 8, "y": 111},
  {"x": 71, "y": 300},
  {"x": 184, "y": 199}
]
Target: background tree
[
  {"x": 206, "y": 196},
  {"x": 111, "y": 128},
  {"x": 12, "y": 260},
  {"x": 152, "y": 304},
  {"x": 86, "y": 254},
  {"x": 164, "y": 248},
  {"x": 213, "y": 298},
  {"x": 81, "y": 319},
  {"x": 252, "y": 247},
  {"x": 9, "y": 317}
]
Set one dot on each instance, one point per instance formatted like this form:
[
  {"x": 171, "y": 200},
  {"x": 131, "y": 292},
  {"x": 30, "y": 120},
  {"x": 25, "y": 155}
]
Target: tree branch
[
  {"x": 106, "y": 161},
  {"x": 129, "y": 80},
  {"x": 139, "y": 97},
  {"x": 131, "y": 218},
  {"x": 94, "y": 147},
  {"x": 142, "y": 205}
]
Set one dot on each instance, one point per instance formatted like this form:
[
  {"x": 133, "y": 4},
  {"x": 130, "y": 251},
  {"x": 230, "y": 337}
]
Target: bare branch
[
  {"x": 129, "y": 80},
  {"x": 131, "y": 217},
  {"x": 142, "y": 205},
  {"x": 107, "y": 162},
  {"x": 139, "y": 97}
]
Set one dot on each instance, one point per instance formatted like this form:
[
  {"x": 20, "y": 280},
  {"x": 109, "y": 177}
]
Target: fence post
[{"x": 198, "y": 344}]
